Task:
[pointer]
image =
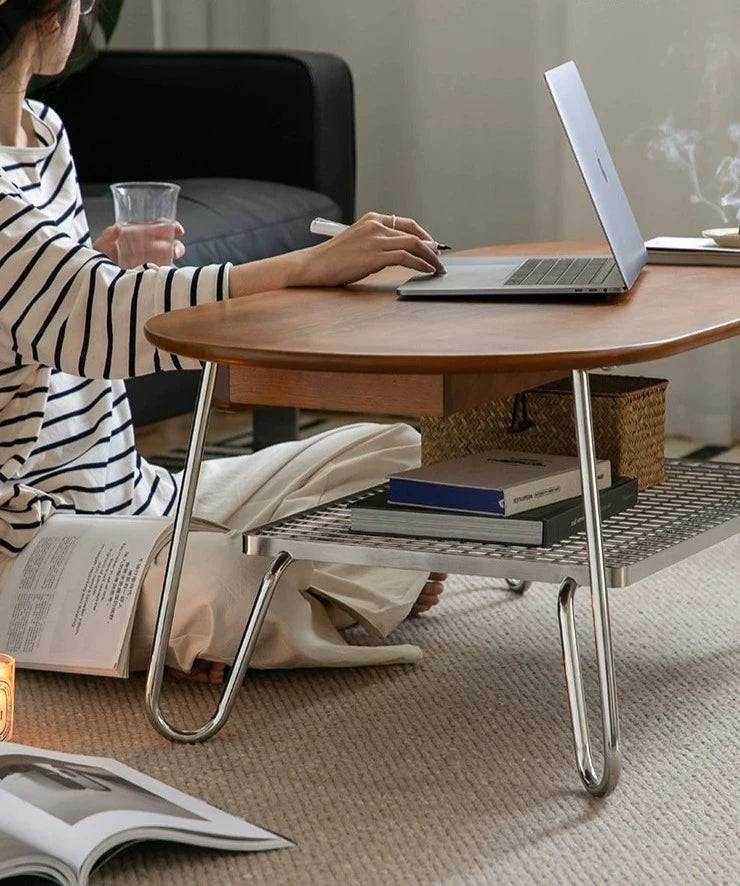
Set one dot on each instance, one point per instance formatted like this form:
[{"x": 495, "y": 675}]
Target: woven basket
[{"x": 628, "y": 415}]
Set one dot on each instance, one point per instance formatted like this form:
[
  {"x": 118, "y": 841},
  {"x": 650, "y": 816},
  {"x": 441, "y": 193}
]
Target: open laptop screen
[{"x": 598, "y": 170}]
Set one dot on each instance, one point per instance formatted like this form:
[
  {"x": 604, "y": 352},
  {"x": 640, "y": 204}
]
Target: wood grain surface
[
  {"x": 241, "y": 387},
  {"x": 365, "y": 328}
]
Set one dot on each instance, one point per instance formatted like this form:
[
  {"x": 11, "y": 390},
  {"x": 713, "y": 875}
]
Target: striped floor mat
[
  {"x": 241, "y": 443},
  {"x": 692, "y": 449}
]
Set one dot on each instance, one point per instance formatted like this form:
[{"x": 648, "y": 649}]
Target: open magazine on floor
[
  {"x": 69, "y": 598},
  {"x": 61, "y": 815}
]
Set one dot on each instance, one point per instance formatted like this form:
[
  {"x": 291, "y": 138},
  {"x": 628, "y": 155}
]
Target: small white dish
[{"x": 726, "y": 238}]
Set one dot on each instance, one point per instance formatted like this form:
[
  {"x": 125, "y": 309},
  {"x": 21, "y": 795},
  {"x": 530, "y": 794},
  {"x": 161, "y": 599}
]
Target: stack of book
[
  {"x": 690, "y": 251},
  {"x": 498, "y": 496}
]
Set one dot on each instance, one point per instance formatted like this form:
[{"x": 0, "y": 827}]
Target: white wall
[
  {"x": 192, "y": 24},
  {"x": 455, "y": 126},
  {"x": 135, "y": 28},
  {"x": 447, "y": 104},
  {"x": 454, "y": 123}
]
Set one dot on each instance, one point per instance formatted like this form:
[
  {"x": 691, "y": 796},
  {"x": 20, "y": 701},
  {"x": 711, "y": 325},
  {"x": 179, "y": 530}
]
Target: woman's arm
[
  {"x": 369, "y": 245},
  {"x": 65, "y": 305}
]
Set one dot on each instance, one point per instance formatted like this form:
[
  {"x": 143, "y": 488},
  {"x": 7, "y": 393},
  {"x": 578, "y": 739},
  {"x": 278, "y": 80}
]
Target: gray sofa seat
[{"x": 231, "y": 219}]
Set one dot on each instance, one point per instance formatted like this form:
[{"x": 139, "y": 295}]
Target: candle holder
[
  {"x": 727, "y": 238},
  {"x": 7, "y": 695}
]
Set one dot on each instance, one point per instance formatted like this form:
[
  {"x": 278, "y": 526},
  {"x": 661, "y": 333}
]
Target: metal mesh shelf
[{"x": 697, "y": 506}]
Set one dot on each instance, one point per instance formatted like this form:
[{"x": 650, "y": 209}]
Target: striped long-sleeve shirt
[{"x": 71, "y": 328}]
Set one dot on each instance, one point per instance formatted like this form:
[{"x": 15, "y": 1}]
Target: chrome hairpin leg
[
  {"x": 516, "y": 586},
  {"x": 597, "y": 785},
  {"x": 173, "y": 572},
  {"x": 239, "y": 669}
]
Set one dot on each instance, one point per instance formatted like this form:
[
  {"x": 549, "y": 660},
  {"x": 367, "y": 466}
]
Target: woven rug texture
[{"x": 458, "y": 770}]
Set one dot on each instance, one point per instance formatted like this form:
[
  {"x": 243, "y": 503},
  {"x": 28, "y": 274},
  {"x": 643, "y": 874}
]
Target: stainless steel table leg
[
  {"x": 597, "y": 785},
  {"x": 173, "y": 572},
  {"x": 239, "y": 669},
  {"x": 518, "y": 587}
]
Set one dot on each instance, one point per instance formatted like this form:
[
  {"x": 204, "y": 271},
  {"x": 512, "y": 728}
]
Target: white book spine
[{"x": 550, "y": 490}]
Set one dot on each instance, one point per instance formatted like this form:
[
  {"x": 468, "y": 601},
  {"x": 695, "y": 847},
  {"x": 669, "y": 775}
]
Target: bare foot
[
  {"x": 211, "y": 672},
  {"x": 430, "y": 593}
]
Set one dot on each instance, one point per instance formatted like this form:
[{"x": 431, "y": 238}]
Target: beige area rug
[{"x": 458, "y": 770}]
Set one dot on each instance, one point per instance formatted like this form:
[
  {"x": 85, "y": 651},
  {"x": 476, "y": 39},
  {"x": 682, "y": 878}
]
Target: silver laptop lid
[{"x": 598, "y": 170}]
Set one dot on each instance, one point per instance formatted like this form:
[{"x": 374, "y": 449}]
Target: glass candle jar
[{"x": 7, "y": 695}]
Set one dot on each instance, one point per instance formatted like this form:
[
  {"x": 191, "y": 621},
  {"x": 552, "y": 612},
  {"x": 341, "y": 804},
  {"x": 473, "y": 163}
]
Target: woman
[{"x": 71, "y": 329}]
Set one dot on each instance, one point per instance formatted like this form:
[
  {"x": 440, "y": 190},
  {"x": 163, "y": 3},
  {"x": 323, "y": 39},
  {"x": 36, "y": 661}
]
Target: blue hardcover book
[{"x": 496, "y": 482}]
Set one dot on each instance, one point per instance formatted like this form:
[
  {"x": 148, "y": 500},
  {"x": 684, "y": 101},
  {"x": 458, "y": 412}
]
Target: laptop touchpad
[{"x": 465, "y": 273}]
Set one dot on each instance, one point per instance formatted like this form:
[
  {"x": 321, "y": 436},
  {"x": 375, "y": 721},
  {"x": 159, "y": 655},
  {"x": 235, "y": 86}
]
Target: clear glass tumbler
[
  {"x": 146, "y": 213},
  {"x": 7, "y": 696}
]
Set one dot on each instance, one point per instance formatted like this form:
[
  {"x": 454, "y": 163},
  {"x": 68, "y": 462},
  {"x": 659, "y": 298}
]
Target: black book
[{"x": 539, "y": 527}]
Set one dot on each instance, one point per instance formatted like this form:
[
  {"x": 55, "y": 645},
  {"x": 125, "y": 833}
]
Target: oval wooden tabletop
[{"x": 365, "y": 328}]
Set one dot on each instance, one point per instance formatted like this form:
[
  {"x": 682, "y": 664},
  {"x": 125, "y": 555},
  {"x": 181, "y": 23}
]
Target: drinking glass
[
  {"x": 7, "y": 695},
  {"x": 146, "y": 213}
]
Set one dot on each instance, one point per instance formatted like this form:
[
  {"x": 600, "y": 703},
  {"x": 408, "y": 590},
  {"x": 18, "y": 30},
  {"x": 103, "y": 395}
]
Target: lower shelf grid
[{"x": 697, "y": 506}]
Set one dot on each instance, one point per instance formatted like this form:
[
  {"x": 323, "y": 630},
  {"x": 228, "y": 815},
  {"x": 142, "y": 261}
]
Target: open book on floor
[
  {"x": 61, "y": 815},
  {"x": 69, "y": 598}
]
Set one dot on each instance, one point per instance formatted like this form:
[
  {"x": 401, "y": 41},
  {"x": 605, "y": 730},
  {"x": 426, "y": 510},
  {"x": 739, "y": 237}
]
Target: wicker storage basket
[{"x": 629, "y": 426}]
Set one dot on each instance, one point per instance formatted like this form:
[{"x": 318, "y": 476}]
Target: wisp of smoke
[
  {"x": 721, "y": 56},
  {"x": 728, "y": 173},
  {"x": 679, "y": 146}
]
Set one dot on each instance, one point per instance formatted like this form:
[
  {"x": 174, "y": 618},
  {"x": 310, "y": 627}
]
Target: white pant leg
[{"x": 218, "y": 583}]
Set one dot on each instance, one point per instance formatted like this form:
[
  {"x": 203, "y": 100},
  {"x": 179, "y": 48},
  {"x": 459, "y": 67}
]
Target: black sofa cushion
[
  {"x": 231, "y": 219},
  {"x": 275, "y": 116}
]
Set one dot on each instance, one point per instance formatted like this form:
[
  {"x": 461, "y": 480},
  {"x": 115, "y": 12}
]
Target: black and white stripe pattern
[{"x": 71, "y": 329}]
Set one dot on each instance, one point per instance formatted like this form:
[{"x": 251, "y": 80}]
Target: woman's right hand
[
  {"x": 143, "y": 244},
  {"x": 367, "y": 246}
]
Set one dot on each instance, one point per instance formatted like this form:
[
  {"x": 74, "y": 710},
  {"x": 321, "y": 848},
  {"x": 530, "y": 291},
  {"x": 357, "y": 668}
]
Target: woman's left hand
[{"x": 107, "y": 242}]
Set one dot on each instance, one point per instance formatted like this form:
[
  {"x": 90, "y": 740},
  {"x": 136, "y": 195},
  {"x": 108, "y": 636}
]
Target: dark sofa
[{"x": 260, "y": 143}]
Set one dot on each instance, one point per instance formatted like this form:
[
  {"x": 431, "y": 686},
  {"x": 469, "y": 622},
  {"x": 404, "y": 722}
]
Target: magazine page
[
  {"x": 20, "y": 859},
  {"x": 68, "y": 600},
  {"x": 79, "y": 808}
]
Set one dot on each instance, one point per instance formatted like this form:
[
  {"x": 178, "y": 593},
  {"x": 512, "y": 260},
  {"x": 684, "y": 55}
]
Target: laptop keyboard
[{"x": 577, "y": 272}]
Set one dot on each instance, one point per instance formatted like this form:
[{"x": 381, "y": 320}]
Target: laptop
[{"x": 567, "y": 274}]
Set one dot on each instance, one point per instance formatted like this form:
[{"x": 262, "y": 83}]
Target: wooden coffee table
[{"x": 360, "y": 347}]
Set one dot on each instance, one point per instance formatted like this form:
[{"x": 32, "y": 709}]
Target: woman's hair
[{"x": 16, "y": 14}]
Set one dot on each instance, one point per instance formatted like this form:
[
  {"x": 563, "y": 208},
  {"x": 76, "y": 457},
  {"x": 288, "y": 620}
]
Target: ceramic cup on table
[{"x": 727, "y": 238}]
